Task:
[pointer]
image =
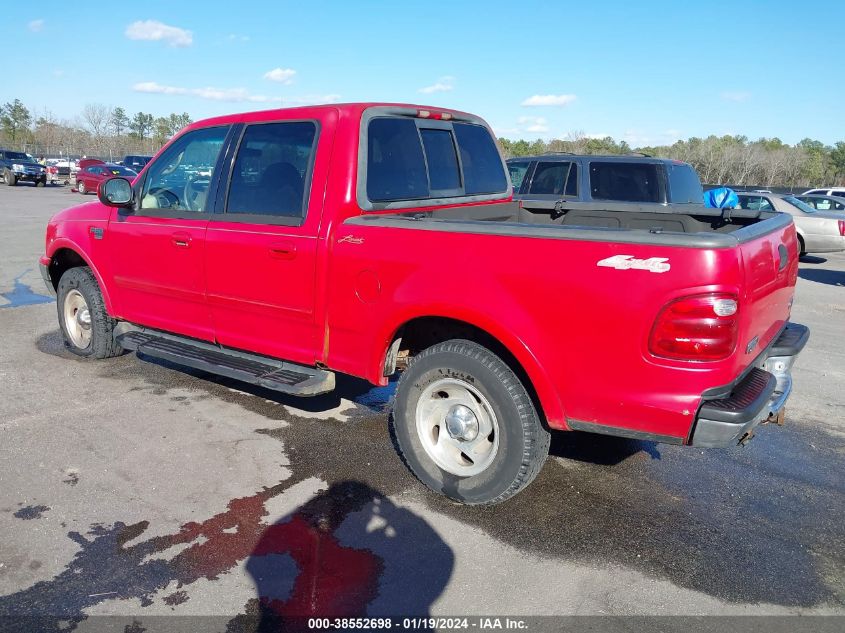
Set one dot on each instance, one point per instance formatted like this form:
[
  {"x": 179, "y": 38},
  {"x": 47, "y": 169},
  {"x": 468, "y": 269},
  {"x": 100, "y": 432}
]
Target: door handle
[
  {"x": 283, "y": 250},
  {"x": 180, "y": 240}
]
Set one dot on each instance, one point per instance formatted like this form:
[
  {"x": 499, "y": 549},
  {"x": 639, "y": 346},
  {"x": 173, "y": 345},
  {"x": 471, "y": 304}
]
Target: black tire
[
  {"x": 11, "y": 179},
  {"x": 41, "y": 183},
  {"x": 80, "y": 187},
  {"x": 102, "y": 343},
  {"x": 523, "y": 441},
  {"x": 801, "y": 250}
]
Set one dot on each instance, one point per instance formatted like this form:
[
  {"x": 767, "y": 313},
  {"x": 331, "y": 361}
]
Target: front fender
[{"x": 60, "y": 243}]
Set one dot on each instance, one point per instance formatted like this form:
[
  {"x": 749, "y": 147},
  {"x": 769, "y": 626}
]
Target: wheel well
[
  {"x": 421, "y": 333},
  {"x": 63, "y": 260}
]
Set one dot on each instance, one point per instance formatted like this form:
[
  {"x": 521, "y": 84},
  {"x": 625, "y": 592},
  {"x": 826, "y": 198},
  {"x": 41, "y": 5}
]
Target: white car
[{"x": 835, "y": 191}]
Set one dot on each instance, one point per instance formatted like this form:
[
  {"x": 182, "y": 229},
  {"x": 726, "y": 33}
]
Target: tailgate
[{"x": 770, "y": 265}]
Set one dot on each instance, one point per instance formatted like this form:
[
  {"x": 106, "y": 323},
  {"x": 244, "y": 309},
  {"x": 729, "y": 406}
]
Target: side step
[{"x": 266, "y": 372}]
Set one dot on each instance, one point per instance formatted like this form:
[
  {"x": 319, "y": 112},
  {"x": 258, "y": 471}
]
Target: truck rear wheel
[
  {"x": 465, "y": 425},
  {"x": 86, "y": 326}
]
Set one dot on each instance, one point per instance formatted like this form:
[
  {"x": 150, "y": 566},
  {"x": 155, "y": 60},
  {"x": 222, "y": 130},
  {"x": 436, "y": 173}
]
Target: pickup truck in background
[
  {"x": 281, "y": 247},
  {"x": 18, "y": 167}
]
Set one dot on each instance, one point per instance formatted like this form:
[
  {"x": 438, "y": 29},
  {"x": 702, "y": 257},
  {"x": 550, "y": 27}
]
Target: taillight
[
  {"x": 697, "y": 328},
  {"x": 842, "y": 228}
]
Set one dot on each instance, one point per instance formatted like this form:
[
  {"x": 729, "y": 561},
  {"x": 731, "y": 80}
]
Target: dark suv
[
  {"x": 135, "y": 163},
  {"x": 565, "y": 182},
  {"x": 17, "y": 166}
]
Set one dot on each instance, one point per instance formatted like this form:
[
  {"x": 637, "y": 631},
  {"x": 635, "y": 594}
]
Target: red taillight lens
[
  {"x": 700, "y": 327},
  {"x": 842, "y": 228}
]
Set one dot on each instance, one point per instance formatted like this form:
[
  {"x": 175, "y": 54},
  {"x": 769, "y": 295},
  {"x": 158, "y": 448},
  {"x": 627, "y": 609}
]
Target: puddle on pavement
[{"x": 22, "y": 295}]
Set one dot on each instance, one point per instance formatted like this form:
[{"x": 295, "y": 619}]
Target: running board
[{"x": 270, "y": 373}]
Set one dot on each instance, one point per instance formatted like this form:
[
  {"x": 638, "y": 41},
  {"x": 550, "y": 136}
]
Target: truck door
[
  {"x": 261, "y": 256},
  {"x": 157, "y": 276}
]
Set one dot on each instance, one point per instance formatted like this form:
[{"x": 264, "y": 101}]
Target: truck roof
[
  {"x": 354, "y": 109},
  {"x": 627, "y": 158}
]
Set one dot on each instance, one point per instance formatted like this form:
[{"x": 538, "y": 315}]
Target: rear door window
[
  {"x": 684, "y": 184},
  {"x": 272, "y": 169},
  {"x": 625, "y": 182},
  {"x": 750, "y": 202}
]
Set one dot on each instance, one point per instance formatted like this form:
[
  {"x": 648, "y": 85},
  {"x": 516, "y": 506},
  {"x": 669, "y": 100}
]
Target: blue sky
[{"x": 646, "y": 72}]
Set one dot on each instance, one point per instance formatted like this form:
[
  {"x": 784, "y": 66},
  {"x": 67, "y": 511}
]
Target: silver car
[
  {"x": 818, "y": 231},
  {"x": 833, "y": 204}
]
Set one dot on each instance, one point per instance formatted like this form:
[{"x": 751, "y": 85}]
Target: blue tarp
[{"x": 721, "y": 198}]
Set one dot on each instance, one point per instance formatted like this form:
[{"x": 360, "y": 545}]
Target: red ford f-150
[{"x": 280, "y": 247}]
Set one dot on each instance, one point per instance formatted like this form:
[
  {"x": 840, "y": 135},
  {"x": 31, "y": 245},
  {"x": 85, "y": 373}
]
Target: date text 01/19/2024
[{"x": 479, "y": 623}]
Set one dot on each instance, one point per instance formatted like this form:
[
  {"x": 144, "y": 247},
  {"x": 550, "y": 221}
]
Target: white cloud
[
  {"x": 444, "y": 84},
  {"x": 549, "y": 100},
  {"x": 280, "y": 75},
  {"x": 534, "y": 124},
  {"x": 234, "y": 37},
  {"x": 233, "y": 95},
  {"x": 36, "y": 26},
  {"x": 737, "y": 96},
  {"x": 153, "y": 30}
]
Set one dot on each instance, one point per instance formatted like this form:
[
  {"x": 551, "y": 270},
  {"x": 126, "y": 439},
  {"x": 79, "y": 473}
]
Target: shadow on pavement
[{"x": 821, "y": 276}]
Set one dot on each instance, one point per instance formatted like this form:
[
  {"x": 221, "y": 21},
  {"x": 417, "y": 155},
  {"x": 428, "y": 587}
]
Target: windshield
[
  {"x": 795, "y": 202},
  {"x": 16, "y": 156}
]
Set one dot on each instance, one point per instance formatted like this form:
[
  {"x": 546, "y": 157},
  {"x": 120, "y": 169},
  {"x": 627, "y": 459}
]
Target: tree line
[
  {"x": 733, "y": 160},
  {"x": 99, "y": 130}
]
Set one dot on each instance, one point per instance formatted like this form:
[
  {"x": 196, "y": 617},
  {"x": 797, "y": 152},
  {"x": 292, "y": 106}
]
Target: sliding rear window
[{"x": 414, "y": 159}]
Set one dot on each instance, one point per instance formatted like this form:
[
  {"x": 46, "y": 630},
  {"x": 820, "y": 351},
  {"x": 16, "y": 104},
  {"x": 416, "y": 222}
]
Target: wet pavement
[{"x": 134, "y": 487}]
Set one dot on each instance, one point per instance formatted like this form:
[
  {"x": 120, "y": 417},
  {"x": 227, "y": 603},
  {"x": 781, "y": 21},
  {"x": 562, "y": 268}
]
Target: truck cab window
[
  {"x": 179, "y": 179},
  {"x": 629, "y": 182},
  {"x": 271, "y": 169}
]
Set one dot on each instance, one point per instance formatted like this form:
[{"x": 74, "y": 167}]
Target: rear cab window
[
  {"x": 684, "y": 184},
  {"x": 410, "y": 161},
  {"x": 625, "y": 182}
]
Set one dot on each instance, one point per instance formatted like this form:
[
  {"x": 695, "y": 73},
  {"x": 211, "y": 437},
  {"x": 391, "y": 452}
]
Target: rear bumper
[{"x": 759, "y": 397}]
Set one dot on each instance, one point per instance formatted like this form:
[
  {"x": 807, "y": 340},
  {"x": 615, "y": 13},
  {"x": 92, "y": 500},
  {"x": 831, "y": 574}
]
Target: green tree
[
  {"x": 837, "y": 158},
  {"x": 141, "y": 125},
  {"x": 119, "y": 121},
  {"x": 161, "y": 130},
  {"x": 15, "y": 119}
]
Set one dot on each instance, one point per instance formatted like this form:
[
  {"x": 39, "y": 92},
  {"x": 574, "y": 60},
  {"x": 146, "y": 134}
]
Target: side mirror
[{"x": 115, "y": 192}]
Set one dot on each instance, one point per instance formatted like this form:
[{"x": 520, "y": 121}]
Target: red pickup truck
[{"x": 280, "y": 247}]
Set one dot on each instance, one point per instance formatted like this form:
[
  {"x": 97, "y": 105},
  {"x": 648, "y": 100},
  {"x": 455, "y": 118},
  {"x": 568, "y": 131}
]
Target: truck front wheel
[
  {"x": 86, "y": 326},
  {"x": 465, "y": 425}
]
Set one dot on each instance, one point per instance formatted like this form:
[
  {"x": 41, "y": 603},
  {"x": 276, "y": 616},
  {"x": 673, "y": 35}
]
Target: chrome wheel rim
[
  {"x": 457, "y": 427},
  {"x": 81, "y": 187},
  {"x": 77, "y": 318}
]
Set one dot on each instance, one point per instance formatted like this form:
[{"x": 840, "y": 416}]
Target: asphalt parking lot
[{"x": 135, "y": 488}]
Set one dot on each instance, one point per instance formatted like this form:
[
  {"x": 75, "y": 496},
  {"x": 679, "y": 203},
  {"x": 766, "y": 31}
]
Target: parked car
[
  {"x": 370, "y": 238},
  {"x": 18, "y": 167},
  {"x": 134, "y": 162},
  {"x": 833, "y": 191},
  {"x": 555, "y": 184},
  {"x": 833, "y": 204},
  {"x": 89, "y": 178},
  {"x": 818, "y": 232},
  {"x": 82, "y": 163}
]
